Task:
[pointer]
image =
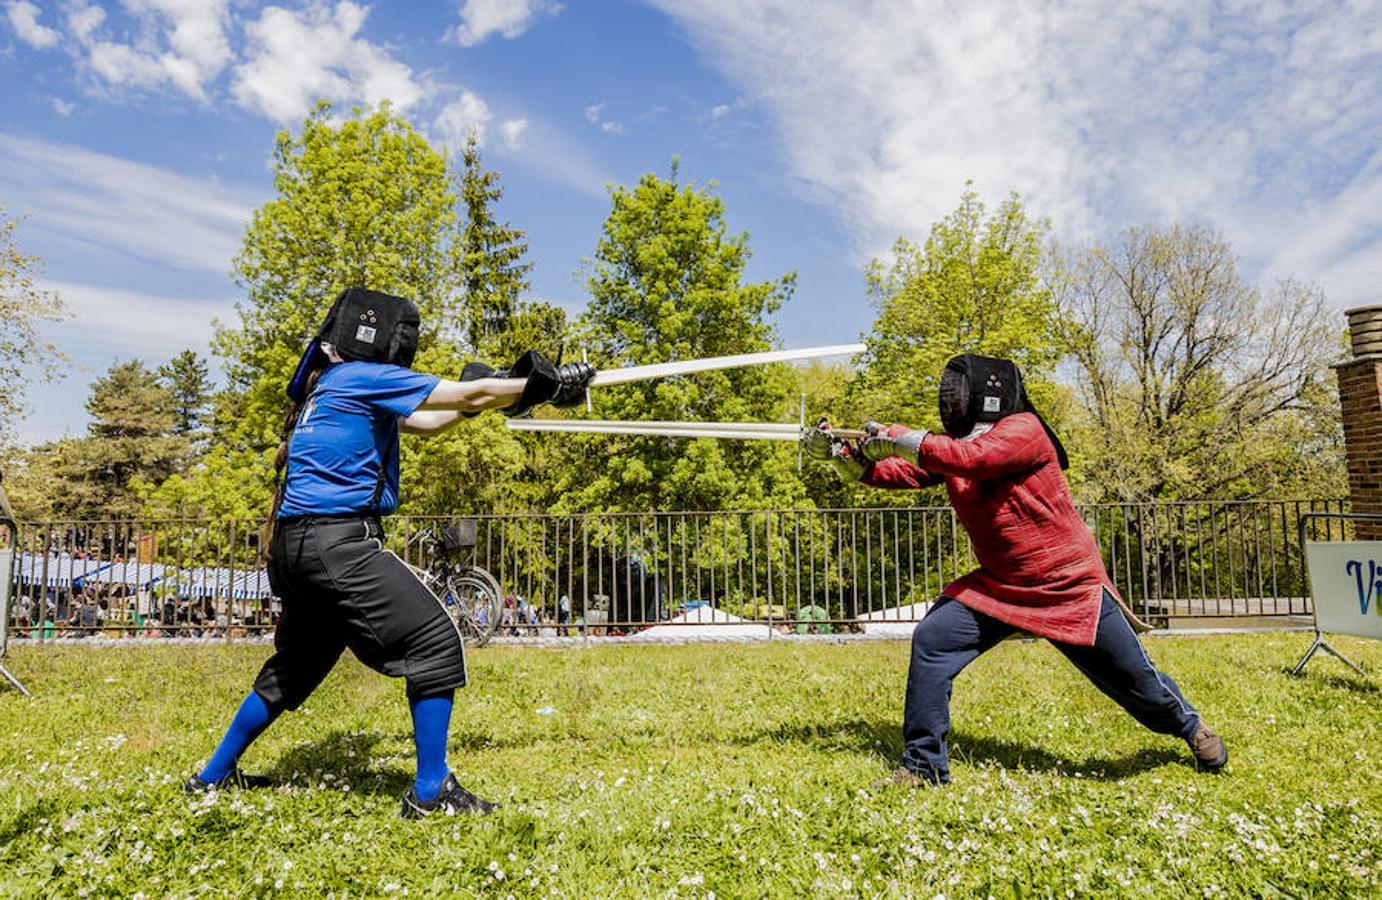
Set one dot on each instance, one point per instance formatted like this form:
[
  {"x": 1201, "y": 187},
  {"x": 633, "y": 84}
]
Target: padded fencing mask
[
  {"x": 363, "y": 325},
  {"x": 976, "y": 389}
]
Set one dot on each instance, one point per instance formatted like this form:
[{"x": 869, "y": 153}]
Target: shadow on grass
[
  {"x": 865, "y": 738},
  {"x": 27, "y": 819},
  {"x": 1348, "y": 682},
  {"x": 884, "y": 741},
  {"x": 346, "y": 757},
  {"x": 976, "y": 751}
]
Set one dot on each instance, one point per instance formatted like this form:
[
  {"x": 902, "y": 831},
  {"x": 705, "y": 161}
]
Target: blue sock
[
  {"x": 431, "y": 719},
  {"x": 249, "y": 722}
]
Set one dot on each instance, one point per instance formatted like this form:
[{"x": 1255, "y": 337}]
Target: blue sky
[{"x": 136, "y": 134}]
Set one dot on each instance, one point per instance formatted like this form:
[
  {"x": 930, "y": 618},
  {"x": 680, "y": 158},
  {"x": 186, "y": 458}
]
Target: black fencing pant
[
  {"x": 952, "y": 635},
  {"x": 340, "y": 588}
]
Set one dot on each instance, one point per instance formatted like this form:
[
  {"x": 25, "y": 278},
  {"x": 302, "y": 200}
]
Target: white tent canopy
[
  {"x": 899, "y": 621},
  {"x": 705, "y": 622}
]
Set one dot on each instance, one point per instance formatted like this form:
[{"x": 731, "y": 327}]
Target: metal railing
[{"x": 827, "y": 571}]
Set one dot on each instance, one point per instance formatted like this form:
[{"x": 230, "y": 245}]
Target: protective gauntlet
[
  {"x": 562, "y": 385},
  {"x": 818, "y": 443},
  {"x": 846, "y": 461},
  {"x": 894, "y": 440},
  {"x": 573, "y": 379}
]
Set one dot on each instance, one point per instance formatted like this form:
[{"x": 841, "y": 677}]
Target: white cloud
[
  {"x": 550, "y": 153},
  {"x": 123, "y": 321},
  {"x": 181, "y": 43},
  {"x": 466, "y": 114},
  {"x": 62, "y": 107},
  {"x": 297, "y": 56},
  {"x": 482, "y": 18},
  {"x": 1259, "y": 118},
  {"x": 23, "y": 18},
  {"x": 719, "y": 112},
  {"x": 513, "y": 131},
  {"x": 594, "y": 114},
  {"x": 129, "y": 207}
]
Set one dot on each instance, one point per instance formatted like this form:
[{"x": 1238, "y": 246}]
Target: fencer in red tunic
[{"x": 1039, "y": 568}]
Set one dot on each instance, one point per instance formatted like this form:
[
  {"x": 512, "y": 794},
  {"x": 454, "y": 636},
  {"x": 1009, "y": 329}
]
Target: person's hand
[
  {"x": 573, "y": 379},
  {"x": 817, "y": 442},
  {"x": 846, "y": 460},
  {"x": 893, "y": 440},
  {"x": 542, "y": 383}
]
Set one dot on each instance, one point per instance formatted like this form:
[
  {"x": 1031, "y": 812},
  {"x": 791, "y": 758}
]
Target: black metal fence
[{"x": 831, "y": 570}]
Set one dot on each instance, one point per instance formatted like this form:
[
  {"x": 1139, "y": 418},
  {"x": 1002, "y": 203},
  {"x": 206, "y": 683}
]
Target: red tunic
[{"x": 1039, "y": 568}]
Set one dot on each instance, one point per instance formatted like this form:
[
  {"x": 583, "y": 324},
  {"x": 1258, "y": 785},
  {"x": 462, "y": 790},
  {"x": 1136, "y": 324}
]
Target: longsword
[
  {"x": 713, "y": 363},
  {"x": 746, "y": 431}
]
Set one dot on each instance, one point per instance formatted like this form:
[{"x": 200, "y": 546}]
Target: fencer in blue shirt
[{"x": 353, "y": 392}]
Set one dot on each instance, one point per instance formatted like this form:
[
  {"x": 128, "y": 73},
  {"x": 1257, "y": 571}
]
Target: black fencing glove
[
  {"x": 474, "y": 371},
  {"x": 542, "y": 385}
]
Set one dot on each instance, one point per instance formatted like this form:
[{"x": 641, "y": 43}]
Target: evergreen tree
[
  {"x": 495, "y": 274},
  {"x": 129, "y": 446},
  {"x": 187, "y": 380}
]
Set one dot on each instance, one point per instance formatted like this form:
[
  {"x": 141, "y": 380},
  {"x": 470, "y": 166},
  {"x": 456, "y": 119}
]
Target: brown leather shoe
[
  {"x": 903, "y": 777},
  {"x": 1208, "y": 747}
]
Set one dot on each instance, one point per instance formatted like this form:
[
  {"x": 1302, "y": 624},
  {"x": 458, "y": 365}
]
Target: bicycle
[{"x": 470, "y": 594}]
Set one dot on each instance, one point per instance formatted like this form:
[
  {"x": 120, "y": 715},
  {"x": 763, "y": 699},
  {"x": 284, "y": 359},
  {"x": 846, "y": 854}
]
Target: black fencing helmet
[
  {"x": 976, "y": 389},
  {"x": 363, "y": 325}
]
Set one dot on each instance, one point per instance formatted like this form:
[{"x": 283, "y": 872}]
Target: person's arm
[
  {"x": 473, "y": 396},
  {"x": 896, "y": 473},
  {"x": 1015, "y": 444},
  {"x": 429, "y": 421},
  {"x": 851, "y": 465}
]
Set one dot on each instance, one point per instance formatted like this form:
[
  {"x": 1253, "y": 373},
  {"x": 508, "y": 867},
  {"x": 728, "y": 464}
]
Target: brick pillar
[{"x": 1360, "y": 404}]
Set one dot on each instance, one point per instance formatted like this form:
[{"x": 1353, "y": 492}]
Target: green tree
[
  {"x": 1199, "y": 384},
  {"x": 975, "y": 286},
  {"x": 494, "y": 272},
  {"x": 481, "y": 465},
  {"x": 129, "y": 444},
  {"x": 362, "y": 201},
  {"x": 667, "y": 283},
  {"x": 188, "y": 381},
  {"x": 23, "y": 305}
]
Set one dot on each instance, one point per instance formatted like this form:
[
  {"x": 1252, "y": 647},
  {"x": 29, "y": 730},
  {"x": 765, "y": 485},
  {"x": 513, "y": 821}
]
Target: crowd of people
[{"x": 120, "y": 611}]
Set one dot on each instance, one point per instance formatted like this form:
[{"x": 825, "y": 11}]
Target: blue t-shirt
[{"x": 348, "y": 429}]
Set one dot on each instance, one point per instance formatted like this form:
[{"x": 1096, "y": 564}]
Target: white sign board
[{"x": 1346, "y": 585}]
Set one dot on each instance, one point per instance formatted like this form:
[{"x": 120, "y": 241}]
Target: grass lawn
[{"x": 730, "y": 770}]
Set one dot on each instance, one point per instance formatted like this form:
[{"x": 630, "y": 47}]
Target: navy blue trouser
[{"x": 952, "y": 635}]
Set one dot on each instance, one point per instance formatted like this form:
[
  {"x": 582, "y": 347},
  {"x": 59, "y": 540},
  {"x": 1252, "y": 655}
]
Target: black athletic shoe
[
  {"x": 236, "y": 779},
  {"x": 451, "y": 800}
]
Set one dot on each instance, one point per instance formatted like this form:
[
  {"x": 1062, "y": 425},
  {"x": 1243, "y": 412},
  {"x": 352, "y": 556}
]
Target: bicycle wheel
[{"x": 475, "y": 604}]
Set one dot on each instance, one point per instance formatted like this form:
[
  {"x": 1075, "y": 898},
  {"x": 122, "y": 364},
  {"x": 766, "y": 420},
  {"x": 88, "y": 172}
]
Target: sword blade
[
  {"x": 713, "y": 363},
  {"x": 746, "y": 431}
]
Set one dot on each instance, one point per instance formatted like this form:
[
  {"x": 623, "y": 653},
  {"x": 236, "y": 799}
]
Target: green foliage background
[{"x": 1171, "y": 377}]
